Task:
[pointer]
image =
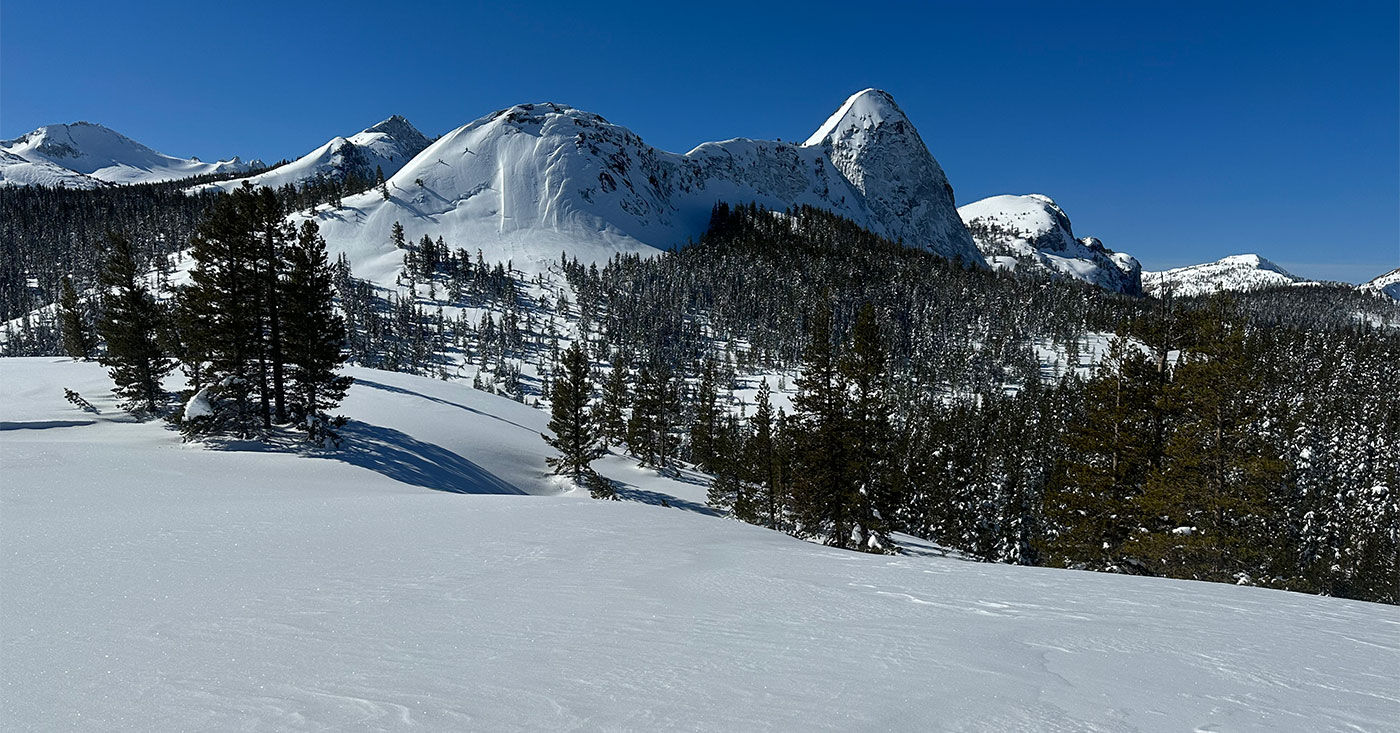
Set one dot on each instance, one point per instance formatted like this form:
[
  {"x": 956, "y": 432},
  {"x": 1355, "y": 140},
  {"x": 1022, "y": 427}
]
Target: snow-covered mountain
[
  {"x": 1236, "y": 272},
  {"x": 1032, "y": 232},
  {"x": 386, "y": 146},
  {"x": 527, "y": 182},
  {"x": 1387, "y": 284},
  {"x": 98, "y": 153},
  {"x": 18, "y": 171}
]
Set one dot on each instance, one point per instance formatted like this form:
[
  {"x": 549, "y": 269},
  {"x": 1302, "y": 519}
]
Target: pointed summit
[
  {"x": 878, "y": 151},
  {"x": 864, "y": 110}
]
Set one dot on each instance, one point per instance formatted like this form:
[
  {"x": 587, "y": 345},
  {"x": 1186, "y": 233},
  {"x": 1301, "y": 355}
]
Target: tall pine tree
[{"x": 130, "y": 324}]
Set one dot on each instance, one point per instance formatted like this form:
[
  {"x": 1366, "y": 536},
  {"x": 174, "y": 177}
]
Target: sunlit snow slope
[
  {"x": 149, "y": 585},
  {"x": 99, "y": 153},
  {"x": 1032, "y": 232},
  {"x": 1236, "y": 272},
  {"x": 385, "y": 148},
  {"x": 1387, "y": 284},
  {"x": 528, "y": 182}
]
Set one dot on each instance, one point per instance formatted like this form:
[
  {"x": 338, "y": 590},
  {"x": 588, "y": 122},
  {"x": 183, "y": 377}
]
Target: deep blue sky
[{"x": 1177, "y": 132}]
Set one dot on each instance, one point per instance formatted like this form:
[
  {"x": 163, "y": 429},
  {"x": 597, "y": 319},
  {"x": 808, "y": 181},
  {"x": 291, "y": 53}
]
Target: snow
[
  {"x": 101, "y": 154},
  {"x": 1233, "y": 273},
  {"x": 525, "y": 183},
  {"x": 1032, "y": 232},
  {"x": 154, "y": 585},
  {"x": 18, "y": 171},
  {"x": 1387, "y": 284},
  {"x": 387, "y": 146}
]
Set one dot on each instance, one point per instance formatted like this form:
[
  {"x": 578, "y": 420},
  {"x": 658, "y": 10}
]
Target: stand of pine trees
[{"x": 1253, "y": 439}]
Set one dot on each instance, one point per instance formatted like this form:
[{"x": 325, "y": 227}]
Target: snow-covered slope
[
  {"x": 528, "y": 182},
  {"x": 103, "y": 154},
  {"x": 1387, "y": 284},
  {"x": 17, "y": 171},
  {"x": 1032, "y": 232},
  {"x": 386, "y": 146},
  {"x": 152, "y": 585},
  {"x": 1236, "y": 272}
]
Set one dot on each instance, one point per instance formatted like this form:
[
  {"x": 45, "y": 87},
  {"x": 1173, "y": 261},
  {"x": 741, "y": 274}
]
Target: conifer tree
[
  {"x": 222, "y": 315},
  {"x": 610, "y": 411},
  {"x": 315, "y": 334},
  {"x": 1093, "y": 496},
  {"x": 575, "y": 434},
  {"x": 704, "y": 431},
  {"x": 130, "y": 323},
  {"x": 73, "y": 322},
  {"x": 650, "y": 434},
  {"x": 821, "y": 493},
  {"x": 869, "y": 453},
  {"x": 1211, "y": 496},
  {"x": 763, "y": 467}
]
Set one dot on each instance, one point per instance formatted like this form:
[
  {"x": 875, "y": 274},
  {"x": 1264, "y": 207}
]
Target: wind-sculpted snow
[
  {"x": 528, "y": 182},
  {"x": 1233, "y": 273},
  {"x": 18, "y": 171},
  {"x": 1032, "y": 232},
  {"x": 385, "y": 147},
  {"x": 150, "y": 585},
  {"x": 101, "y": 154}
]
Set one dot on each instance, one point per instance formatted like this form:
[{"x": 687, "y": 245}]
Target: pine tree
[
  {"x": 650, "y": 434},
  {"x": 223, "y": 318},
  {"x": 73, "y": 321},
  {"x": 822, "y": 496},
  {"x": 1094, "y": 495},
  {"x": 869, "y": 453},
  {"x": 610, "y": 411},
  {"x": 1205, "y": 506},
  {"x": 575, "y": 434},
  {"x": 704, "y": 431},
  {"x": 762, "y": 461},
  {"x": 130, "y": 323},
  {"x": 315, "y": 334},
  {"x": 396, "y": 236}
]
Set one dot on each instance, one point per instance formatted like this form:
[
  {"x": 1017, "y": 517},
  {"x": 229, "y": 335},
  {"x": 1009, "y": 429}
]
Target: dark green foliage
[
  {"x": 74, "y": 322},
  {"x": 315, "y": 333},
  {"x": 651, "y": 430},
  {"x": 576, "y": 437},
  {"x": 129, "y": 324}
]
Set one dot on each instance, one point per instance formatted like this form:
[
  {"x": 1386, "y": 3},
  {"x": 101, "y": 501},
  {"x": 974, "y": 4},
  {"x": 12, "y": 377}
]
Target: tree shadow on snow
[
  {"x": 408, "y": 460},
  {"x": 388, "y": 452},
  {"x": 362, "y": 382}
]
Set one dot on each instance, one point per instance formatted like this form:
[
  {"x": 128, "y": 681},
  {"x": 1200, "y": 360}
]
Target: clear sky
[{"x": 1178, "y": 132}]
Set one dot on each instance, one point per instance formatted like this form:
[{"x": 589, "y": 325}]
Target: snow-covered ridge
[
  {"x": 386, "y": 147},
  {"x": 529, "y": 181},
  {"x": 1387, "y": 284},
  {"x": 1032, "y": 232},
  {"x": 98, "y": 153},
  {"x": 1234, "y": 273}
]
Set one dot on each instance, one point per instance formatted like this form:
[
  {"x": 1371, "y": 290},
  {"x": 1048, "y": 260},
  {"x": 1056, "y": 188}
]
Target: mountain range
[
  {"x": 88, "y": 155},
  {"x": 533, "y": 180}
]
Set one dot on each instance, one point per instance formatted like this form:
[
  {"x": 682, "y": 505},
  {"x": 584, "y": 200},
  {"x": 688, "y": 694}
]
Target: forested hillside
[{"x": 843, "y": 388}]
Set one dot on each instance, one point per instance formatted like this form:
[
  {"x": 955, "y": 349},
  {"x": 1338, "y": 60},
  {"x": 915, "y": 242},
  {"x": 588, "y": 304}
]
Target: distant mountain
[
  {"x": 97, "y": 153},
  {"x": 528, "y": 182},
  {"x": 1387, "y": 284},
  {"x": 1032, "y": 232},
  {"x": 386, "y": 146},
  {"x": 1236, "y": 272}
]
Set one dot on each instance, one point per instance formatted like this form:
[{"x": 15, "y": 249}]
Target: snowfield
[{"x": 409, "y": 583}]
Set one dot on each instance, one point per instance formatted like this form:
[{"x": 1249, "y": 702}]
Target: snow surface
[
  {"x": 152, "y": 585},
  {"x": 99, "y": 153},
  {"x": 18, "y": 171},
  {"x": 387, "y": 146},
  {"x": 1033, "y": 232},
  {"x": 1233, "y": 273},
  {"x": 525, "y": 183},
  {"x": 1387, "y": 284}
]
